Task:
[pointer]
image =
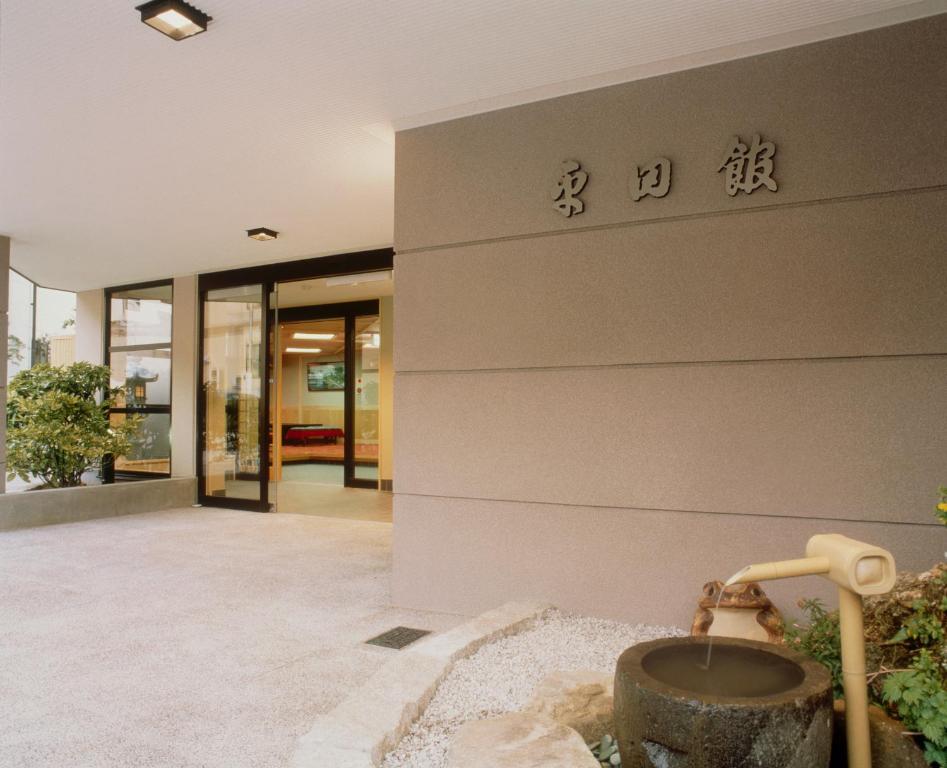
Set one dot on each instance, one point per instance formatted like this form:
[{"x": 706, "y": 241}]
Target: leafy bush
[
  {"x": 906, "y": 649},
  {"x": 920, "y": 700},
  {"x": 819, "y": 638},
  {"x": 914, "y": 682},
  {"x": 58, "y": 426},
  {"x": 942, "y": 506}
]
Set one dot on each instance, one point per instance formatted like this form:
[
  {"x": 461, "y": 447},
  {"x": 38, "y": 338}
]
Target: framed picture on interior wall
[{"x": 325, "y": 377}]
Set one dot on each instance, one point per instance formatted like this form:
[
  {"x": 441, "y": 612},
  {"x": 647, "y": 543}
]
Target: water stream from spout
[
  {"x": 710, "y": 638},
  {"x": 723, "y": 589}
]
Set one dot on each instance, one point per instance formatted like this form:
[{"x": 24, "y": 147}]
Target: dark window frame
[{"x": 108, "y": 467}]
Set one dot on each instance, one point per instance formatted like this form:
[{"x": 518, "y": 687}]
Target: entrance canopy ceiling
[{"x": 127, "y": 156}]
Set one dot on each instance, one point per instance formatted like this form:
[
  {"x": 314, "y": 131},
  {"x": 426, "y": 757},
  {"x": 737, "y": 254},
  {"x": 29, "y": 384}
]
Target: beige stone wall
[
  {"x": 4, "y": 330},
  {"x": 90, "y": 326},
  {"x": 184, "y": 377},
  {"x": 608, "y": 410}
]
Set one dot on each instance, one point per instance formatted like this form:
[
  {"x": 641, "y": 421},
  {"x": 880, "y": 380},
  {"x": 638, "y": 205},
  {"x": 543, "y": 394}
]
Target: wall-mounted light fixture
[
  {"x": 262, "y": 234},
  {"x": 174, "y": 18}
]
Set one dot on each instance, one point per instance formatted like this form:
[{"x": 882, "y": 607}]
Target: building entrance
[
  {"x": 324, "y": 404},
  {"x": 295, "y": 378}
]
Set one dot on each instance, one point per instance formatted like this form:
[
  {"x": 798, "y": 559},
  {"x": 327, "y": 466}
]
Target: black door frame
[
  {"x": 109, "y": 473},
  {"x": 267, "y": 275},
  {"x": 347, "y": 312}
]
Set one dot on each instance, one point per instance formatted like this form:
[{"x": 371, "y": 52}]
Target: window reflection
[
  {"x": 140, "y": 363},
  {"x": 232, "y": 380}
]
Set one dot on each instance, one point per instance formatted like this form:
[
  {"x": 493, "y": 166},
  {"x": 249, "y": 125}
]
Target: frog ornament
[{"x": 742, "y": 611}]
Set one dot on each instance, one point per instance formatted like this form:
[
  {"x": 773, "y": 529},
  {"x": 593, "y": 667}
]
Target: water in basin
[{"x": 736, "y": 671}]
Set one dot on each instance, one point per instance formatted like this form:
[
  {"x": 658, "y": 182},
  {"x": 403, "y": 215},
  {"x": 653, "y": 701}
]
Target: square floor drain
[{"x": 398, "y": 638}]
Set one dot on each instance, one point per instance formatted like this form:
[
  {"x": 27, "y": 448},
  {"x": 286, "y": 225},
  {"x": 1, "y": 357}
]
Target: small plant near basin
[
  {"x": 906, "y": 647},
  {"x": 58, "y": 425},
  {"x": 606, "y": 751}
]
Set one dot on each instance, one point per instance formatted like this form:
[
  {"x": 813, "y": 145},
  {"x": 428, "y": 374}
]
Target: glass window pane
[
  {"x": 141, "y": 316},
  {"x": 151, "y": 446},
  {"x": 20, "y": 332},
  {"x": 233, "y": 387},
  {"x": 367, "y": 349},
  {"x": 55, "y": 327},
  {"x": 145, "y": 376}
]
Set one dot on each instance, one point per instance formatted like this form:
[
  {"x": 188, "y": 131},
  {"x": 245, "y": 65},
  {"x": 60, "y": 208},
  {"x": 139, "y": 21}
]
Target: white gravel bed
[{"x": 502, "y": 676}]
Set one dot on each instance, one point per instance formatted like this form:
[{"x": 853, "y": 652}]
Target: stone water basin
[{"x": 758, "y": 705}]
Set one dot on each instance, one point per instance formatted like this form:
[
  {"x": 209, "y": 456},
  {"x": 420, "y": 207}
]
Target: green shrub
[
  {"x": 58, "y": 425},
  {"x": 919, "y": 698},
  {"x": 819, "y": 639},
  {"x": 906, "y": 649}
]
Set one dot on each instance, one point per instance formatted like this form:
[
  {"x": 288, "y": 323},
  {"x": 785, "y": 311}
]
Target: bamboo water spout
[{"x": 858, "y": 569}]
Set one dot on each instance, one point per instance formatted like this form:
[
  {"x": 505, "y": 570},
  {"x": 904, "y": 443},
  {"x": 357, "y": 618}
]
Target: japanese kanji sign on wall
[{"x": 746, "y": 167}]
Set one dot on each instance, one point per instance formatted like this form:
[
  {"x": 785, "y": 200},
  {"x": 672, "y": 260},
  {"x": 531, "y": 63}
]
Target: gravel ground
[{"x": 502, "y": 676}]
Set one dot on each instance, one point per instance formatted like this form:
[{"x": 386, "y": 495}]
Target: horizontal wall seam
[
  {"x": 663, "y": 509},
  {"x": 678, "y": 364},
  {"x": 671, "y": 219}
]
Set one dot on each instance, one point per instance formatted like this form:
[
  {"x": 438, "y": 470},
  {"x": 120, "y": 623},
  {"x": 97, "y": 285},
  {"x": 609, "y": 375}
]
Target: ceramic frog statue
[{"x": 744, "y": 611}]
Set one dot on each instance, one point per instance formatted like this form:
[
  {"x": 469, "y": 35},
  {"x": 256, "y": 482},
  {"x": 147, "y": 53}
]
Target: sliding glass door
[
  {"x": 233, "y": 465},
  {"x": 362, "y": 471},
  {"x": 325, "y": 395}
]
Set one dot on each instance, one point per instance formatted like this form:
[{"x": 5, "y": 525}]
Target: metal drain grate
[{"x": 398, "y": 638}]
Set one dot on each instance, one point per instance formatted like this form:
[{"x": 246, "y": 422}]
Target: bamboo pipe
[
  {"x": 854, "y": 679},
  {"x": 858, "y": 569},
  {"x": 783, "y": 569}
]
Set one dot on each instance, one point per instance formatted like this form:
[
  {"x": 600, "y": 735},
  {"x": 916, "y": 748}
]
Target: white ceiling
[{"x": 126, "y": 156}]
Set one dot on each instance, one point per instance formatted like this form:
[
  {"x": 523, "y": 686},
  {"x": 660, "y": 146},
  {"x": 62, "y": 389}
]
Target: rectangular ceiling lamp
[
  {"x": 174, "y": 18},
  {"x": 314, "y": 336}
]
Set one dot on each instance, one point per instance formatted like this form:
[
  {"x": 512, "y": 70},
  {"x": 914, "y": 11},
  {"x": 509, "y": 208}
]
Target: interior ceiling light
[
  {"x": 262, "y": 234},
  {"x": 364, "y": 277},
  {"x": 303, "y": 350},
  {"x": 174, "y": 18},
  {"x": 314, "y": 336}
]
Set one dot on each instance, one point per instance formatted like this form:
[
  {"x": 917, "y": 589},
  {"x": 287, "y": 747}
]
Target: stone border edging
[
  {"x": 29, "y": 509},
  {"x": 371, "y": 721}
]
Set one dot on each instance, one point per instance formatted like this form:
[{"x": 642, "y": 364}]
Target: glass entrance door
[
  {"x": 324, "y": 395},
  {"x": 233, "y": 466},
  {"x": 362, "y": 470},
  {"x": 308, "y": 402}
]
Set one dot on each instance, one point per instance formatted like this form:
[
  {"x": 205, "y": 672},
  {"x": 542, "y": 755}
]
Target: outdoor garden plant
[
  {"x": 906, "y": 649},
  {"x": 606, "y": 751},
  {"x": 58, "y": 425}
]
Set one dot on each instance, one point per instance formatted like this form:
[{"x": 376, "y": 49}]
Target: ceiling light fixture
[
  {"x": 314, "y": 336},
  {"x": 174, "y": 18},
  {"x": 303, "y": 350},
  {"x": 262, "y": 234}
]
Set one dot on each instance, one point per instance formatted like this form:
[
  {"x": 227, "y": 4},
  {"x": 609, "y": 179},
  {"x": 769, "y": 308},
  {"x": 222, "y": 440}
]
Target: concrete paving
[
  {"x": 187, "y": 637},
  {"x": 304, "y": 498}
]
